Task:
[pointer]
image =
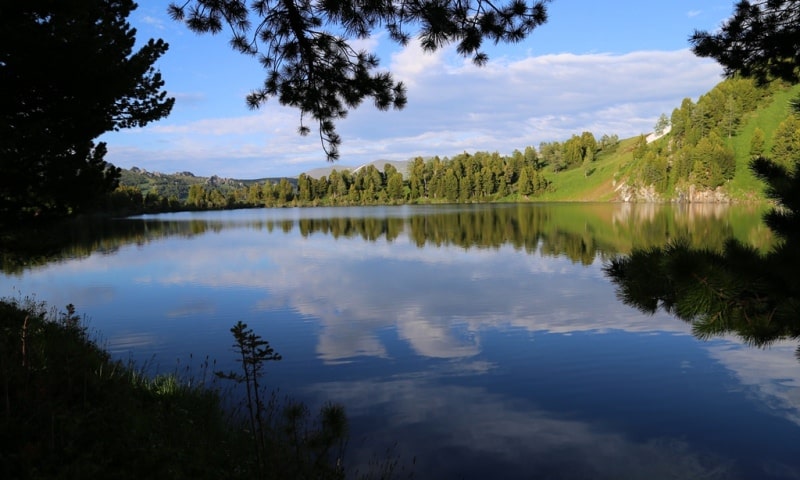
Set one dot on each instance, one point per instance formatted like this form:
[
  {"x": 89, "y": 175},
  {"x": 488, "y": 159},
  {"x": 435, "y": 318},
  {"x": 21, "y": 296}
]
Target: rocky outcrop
[
  {"x": 632, "y": 194},
  {"x": 691, "y": 194},
  {"x": 694, "y": 195}
]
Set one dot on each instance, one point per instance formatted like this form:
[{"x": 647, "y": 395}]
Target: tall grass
[{"x": 69, "y": 411}]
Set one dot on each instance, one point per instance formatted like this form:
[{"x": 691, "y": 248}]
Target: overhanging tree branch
[
  {"x": 760, "y": 40},
  {"x": 305, "y": 45}
]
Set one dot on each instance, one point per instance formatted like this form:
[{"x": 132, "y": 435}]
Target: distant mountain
[
  {"x": 177, "y": 184},
  {"x": 402, "y": 166}
]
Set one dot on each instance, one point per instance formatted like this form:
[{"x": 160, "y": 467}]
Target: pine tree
[
  {"x": 68, "y": 74},
  {"x": 757, "y": 143},
  {"x": 786, "y": 143}
]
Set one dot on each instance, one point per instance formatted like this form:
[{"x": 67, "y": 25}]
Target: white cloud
[
  {"x": 188, "y": 98},
  {"x": 368, "y": 44},
  {"x": 411, "y": 64},
  {"x": 263, "y": 122},
  {"x": 154, "y": 22},
  {"x": 512, "y": 104},
  {"x": 453, "y": 107}
]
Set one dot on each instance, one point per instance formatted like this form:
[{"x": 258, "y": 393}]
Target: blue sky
[{"x": 605, "y": 67}]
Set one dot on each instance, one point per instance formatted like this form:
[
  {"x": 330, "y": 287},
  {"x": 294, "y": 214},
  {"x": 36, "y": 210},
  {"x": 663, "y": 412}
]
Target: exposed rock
[
  {"x": 694, "y": 195},
  {"x": 690, "y": 194},
  {"x": 632, "y": 194},
  {"x": 655, "y": 135},
  {"x": 214, "y": 181}
]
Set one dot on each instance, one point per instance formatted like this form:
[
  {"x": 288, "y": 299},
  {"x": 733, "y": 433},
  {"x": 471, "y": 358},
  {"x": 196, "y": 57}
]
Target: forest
[{"x": 703, "y": 146}]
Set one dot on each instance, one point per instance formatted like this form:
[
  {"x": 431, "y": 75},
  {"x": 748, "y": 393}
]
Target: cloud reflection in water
[
  {"x": 430, "y": 319},
  {"x": 481, "y": 434}
]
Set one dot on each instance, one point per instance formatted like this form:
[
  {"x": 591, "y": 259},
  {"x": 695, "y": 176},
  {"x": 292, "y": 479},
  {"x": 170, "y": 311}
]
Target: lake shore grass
[{"x": 70, "y": 411}]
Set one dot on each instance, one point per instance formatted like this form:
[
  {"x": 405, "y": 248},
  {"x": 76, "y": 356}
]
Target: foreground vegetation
[{"x": 70, "y": 411}]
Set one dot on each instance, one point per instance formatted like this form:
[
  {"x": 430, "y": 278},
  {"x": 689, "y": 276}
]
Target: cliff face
[
  {"x": 691, "y": 194},
  {"x": 638, "y": 194},
  {"x": 694, "y": 195}
]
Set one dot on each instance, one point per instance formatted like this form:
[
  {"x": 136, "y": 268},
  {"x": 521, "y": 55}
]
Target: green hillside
[
  {"x": 611, "y": 169},
  {"x": 702, "y": 155},
  {"x": 767, "y": 119},
  {"x": 608, "y": 170}
]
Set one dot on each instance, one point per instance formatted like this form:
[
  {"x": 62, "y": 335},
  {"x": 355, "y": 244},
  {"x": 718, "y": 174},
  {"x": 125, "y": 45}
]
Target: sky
[{"x": 605, "y": 67}]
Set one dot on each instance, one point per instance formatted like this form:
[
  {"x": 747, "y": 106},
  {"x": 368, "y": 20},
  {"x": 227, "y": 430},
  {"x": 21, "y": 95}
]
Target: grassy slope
[
  {"x": 767, "y": 119},
  {"x": 612, "y": 167},
  {"x": 574, "y": 186}
]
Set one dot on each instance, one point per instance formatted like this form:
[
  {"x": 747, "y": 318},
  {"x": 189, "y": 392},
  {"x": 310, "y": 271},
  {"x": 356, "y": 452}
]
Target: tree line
[
  {"x": 697, "y": 151},
  {"x": 464, "y": 178}
]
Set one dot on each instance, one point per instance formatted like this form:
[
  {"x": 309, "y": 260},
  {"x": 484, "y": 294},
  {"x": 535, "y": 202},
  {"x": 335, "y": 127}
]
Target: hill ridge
[{"x": 639, "y": 168}]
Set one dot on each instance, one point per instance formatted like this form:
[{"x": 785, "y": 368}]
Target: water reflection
[
  {"x": 736, "y": 290},
  {"x": 481, "y": 434},
  {"x": 483, "y": 339},
  {"x": 582, "y": 232}
]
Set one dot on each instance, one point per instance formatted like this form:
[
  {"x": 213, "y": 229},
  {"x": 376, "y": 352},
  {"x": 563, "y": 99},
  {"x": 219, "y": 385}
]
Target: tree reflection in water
[{"x": 738, "y": 290}]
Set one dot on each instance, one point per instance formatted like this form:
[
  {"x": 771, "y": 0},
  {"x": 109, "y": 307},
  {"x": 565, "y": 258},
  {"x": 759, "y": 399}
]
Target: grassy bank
[{"x": 69, "y": 411}]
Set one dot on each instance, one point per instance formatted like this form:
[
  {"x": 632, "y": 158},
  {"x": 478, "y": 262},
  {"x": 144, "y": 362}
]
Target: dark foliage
[
  {"x": 760, "y": 40},
  {"x": 305, "y": 45},
  {"x": 287, "y": 441},
  {"x": 755, "y": 296},
  {"x": 69, "y": 73},
  {"x": 69, "y": 411},
  {"x": 784, "y": 187}
]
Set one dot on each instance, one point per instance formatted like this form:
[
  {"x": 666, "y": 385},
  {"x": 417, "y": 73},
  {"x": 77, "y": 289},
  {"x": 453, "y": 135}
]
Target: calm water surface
[{"x": 484, "y": 341}]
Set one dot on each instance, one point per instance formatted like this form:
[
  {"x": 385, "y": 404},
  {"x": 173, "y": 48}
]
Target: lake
[{"x": 476, "y": 341}]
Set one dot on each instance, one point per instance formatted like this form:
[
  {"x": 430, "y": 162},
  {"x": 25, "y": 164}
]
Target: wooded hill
[
  {"x": 699, "y": 153},
  {"x": 705, "y": 155}
]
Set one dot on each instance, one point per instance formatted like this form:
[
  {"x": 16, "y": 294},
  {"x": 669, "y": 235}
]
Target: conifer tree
[
  {"x": 68, "y": 74},
  {"x": 786, "y": 143},
  {"x": 760, "y": 40},
  {"x": 757, "y": 143}
]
